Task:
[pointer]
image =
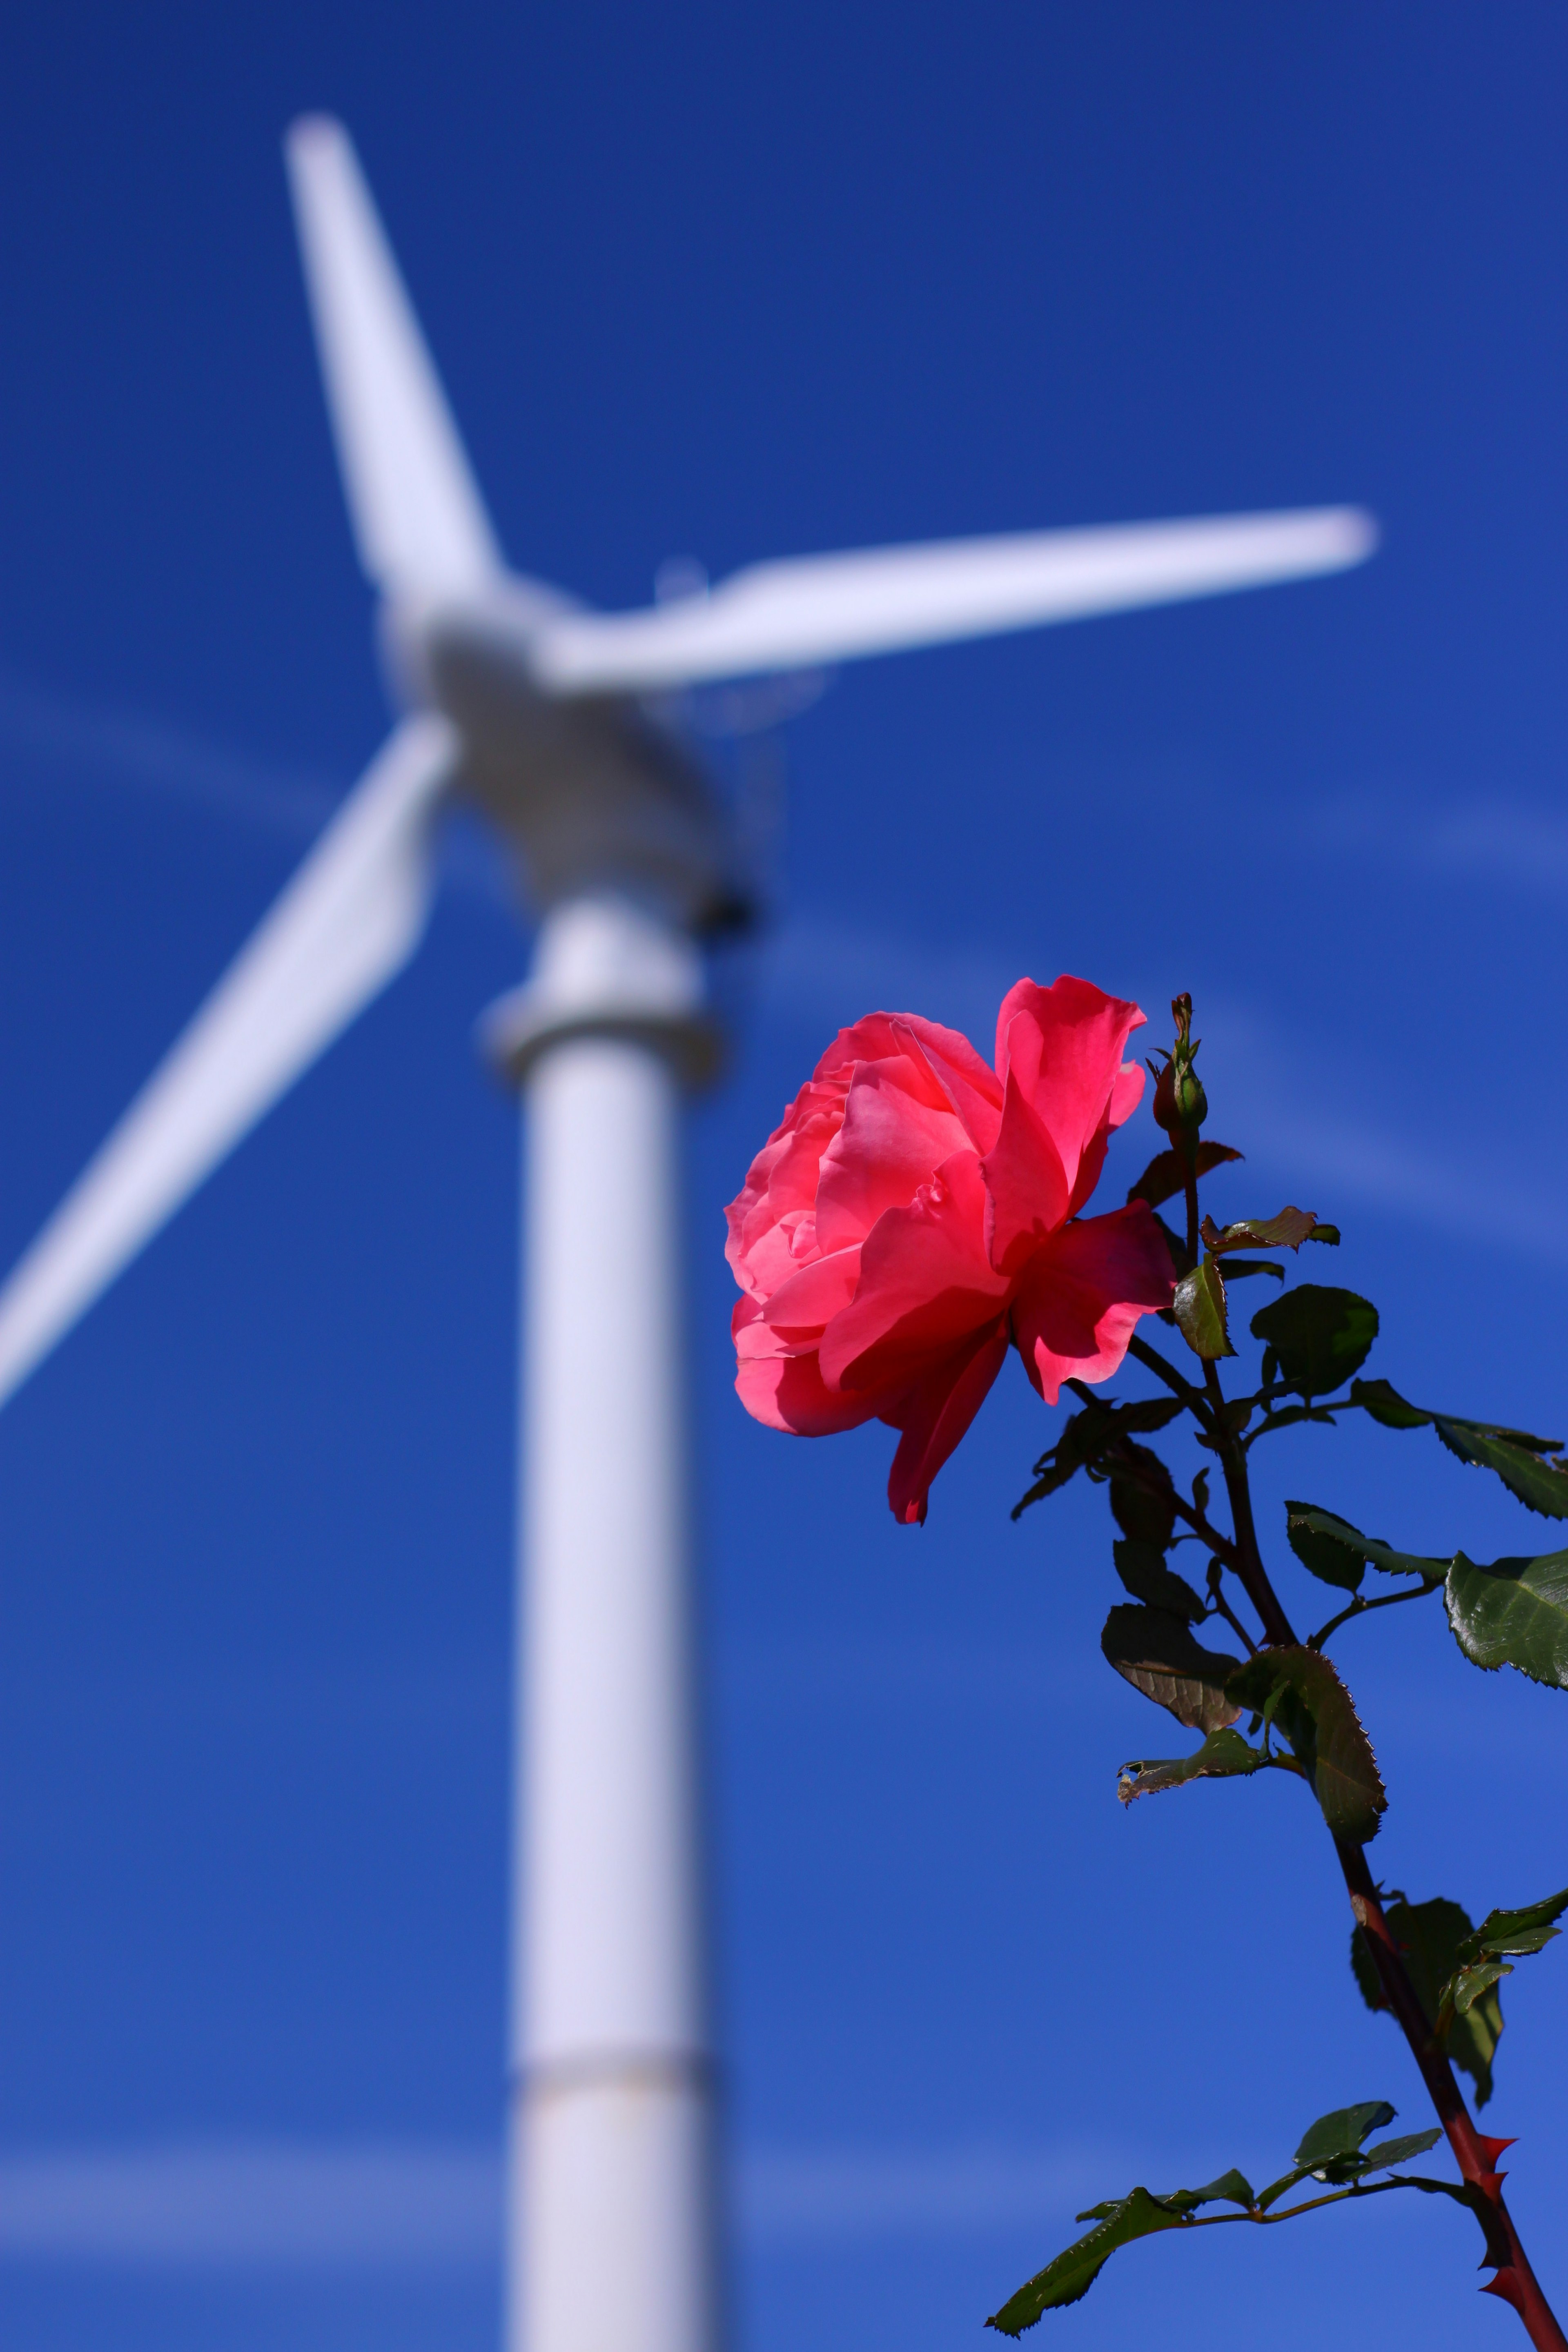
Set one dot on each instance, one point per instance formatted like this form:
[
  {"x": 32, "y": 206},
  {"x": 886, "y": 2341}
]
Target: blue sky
[{"x": 733, "y": 284}]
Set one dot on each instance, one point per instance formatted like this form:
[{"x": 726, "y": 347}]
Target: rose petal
[
  {"x": 960, "y": 1074},
  {"x": 1064, "y": 1045},
  {"x": 1083, "y": 1293},
  {"x": 781, "y": 1182},
  {"x": 787, "y": 1392},
  {"x": 812, "y": 1295},
  {"x": 969, "y": 1085},
  {"x": 1027, "y": 1193},
  {"x": 925, "y": 1287},
  {"x": 934, "y": 1417},
  {"x": 892, "y": 1140}
]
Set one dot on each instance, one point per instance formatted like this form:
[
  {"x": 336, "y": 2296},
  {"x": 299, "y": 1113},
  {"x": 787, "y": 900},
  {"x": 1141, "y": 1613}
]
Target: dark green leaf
[
  {"x": 1223, "y": 1755},
  {"x": 1143, "y": 1571},
  {"x": 1342, "y": 2132},
  {"x": 1165, "y": 1175},
  {"x": 1338, "y": 1552},
  {"x": 1199, "y": 1309},
  {"x": 1276, "y": 2189},
  {"x": 1466, "y": 1988},
  {"x": 1287, "y": 1231},
  {"x": 1074, "y": 2272},
  {"x": 1382, "y": 1401},
  {"x": 1283, "y": 1416},
  {"x": 1433, "y": 1939},
  {"x": 1143, "y": 1500},
  {"x": 1540, "y": 1486},
  {"x": 1087, "y": 1435},
  {"x": 1518, "y": 1934},
  {"x": 1498, "y": 1930},
  {"x": 1521, "y": 1946},
  {"x": 1389, "y": 2152},
  {"x": 1513, "y": 1612},
  {"x": 1317, "y": 1336},
  {"x": 1327, "y": 1546},
  {"x": 1330, "y": 1233},
  {"x": 1237, "y": 1268},
  {"x": 1384, "y": 1404},
  {"x": 1518, "y": 1458},
  {"x": 1232, "y": 2188},
  {"x": 1158, "y": 1656},
  {"x": 1045, "y": 1484},
  {"x": 1299, "y": 1690}
]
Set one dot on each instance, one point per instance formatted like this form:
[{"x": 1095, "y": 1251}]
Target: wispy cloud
[
  {"x": 168, "y": 760},
  {"x": 1341, "y": 1144},
  {"x": 1518, "y": 846},
  {"x": 149, "y": 755},
  {"x": 230, "y": 2203},
  {"x": 413, "y": 2205}
]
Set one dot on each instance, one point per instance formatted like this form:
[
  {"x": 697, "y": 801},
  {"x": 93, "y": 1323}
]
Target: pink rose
[{"x": 917, "y": 1211}]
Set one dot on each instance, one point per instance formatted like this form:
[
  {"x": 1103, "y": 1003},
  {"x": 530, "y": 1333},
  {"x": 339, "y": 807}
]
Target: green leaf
[
  {"x": 1331, "y": 1548},
  {"x": 1143, "y": 1571},
  {"x": 1237, "y": 1268},
  {"x": 1287, "y": 1231},
  {"x": 1341, "y": 2132},
  {"x": 1165, "y": 1175},
  {"x": 1299, "y": 1689},
  {"x": 1144, "y": 1506},
  {"x": 1389, "y": 2152},
  {"x": 1087, "y": 1435},
  {"x": 1540, "y": 1486},
  {"x": 1338, "y": 1552},
  {"x": 1232, "y": 2188},
  {"x": 1073, "y": 2273},
  {"x": 1384, "y": 1404},
  {"x": 1466, "y": 1988},
  {"x": 1276, "y": 2189},
  {"x": 1382, "y": 1401},
  {"x": 1330, "y": 1233},
  {"x": 1518, "y": 1458},
  {"x": 1521, "y": 1946},
  {"x": 1157, "y": 1655},
  {"x": 1318, "y": 1336},
  {"x": 1513, "y": 1612},
  {"x": 1224, "y": 1755},
  {"x": 1433, "y": 1939},
  {"x": 1499, "y": 1930},
  {"x": 1199, "y": 1309},
  {"x": 1518, "y": 1934}
]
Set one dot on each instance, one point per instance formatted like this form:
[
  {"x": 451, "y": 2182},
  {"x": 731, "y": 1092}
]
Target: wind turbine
[{"x": 523, "y": 702}]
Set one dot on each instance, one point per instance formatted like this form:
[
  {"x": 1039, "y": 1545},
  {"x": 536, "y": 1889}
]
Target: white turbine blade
[
  {"x": 349, "y": 920},
  {"x": 830, "y": 608},
  {"x": 418, "y": 518}
]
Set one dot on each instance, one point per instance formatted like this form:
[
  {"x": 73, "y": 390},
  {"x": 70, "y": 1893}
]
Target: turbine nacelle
[{"x": 590, "y": 791}]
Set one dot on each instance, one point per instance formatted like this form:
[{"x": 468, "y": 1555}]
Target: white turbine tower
[{"x": 521, "y": 701}]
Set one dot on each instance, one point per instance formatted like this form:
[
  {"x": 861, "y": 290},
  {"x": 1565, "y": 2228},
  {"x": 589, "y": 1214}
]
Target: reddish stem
[{"x": 1474, "y": 2152}]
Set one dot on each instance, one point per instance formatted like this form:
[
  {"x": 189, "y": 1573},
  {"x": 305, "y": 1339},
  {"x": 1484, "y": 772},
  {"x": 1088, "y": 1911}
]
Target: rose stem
[{"x": 1475, "y": 2153}]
